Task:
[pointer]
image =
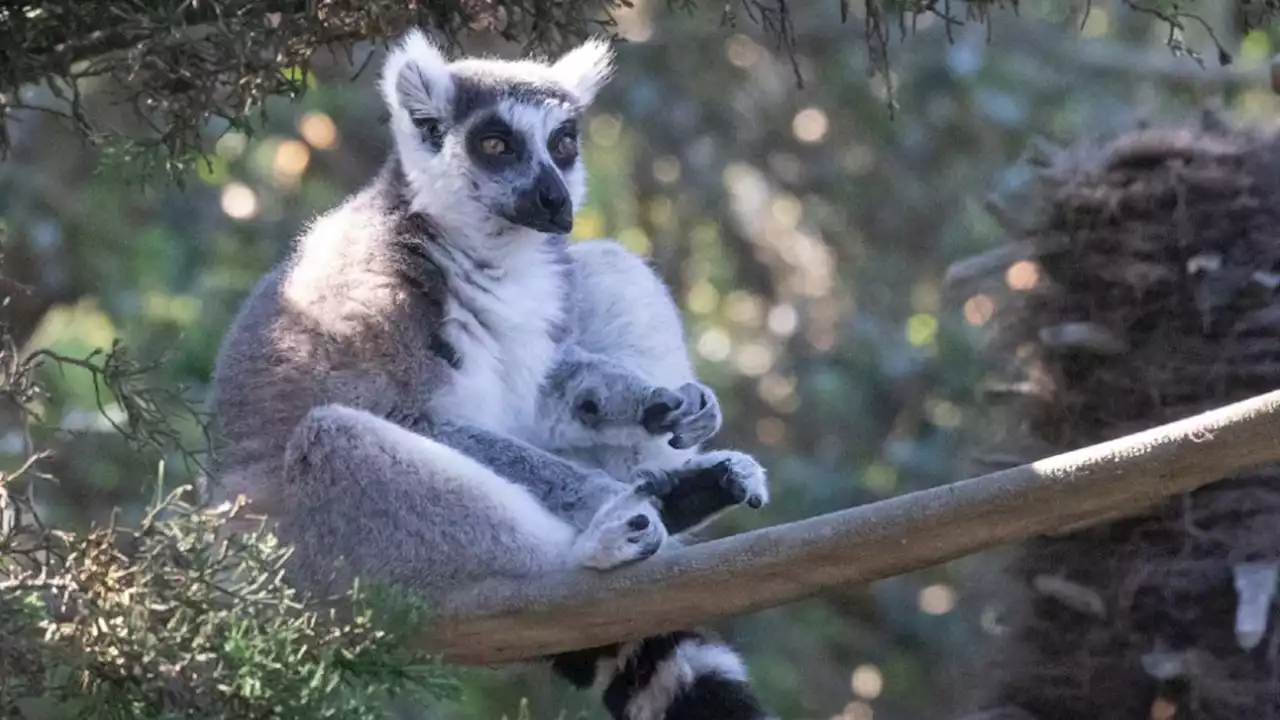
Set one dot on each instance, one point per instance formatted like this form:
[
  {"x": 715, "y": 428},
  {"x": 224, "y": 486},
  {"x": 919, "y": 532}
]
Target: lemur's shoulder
[
  {"x": 611, "y": 282},
  {"x": 351, "y": 316}
]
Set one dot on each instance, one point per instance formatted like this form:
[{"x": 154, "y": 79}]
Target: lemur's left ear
[
  {"x": 415, "y": 77},
  {"x": 586, "y": 68}
]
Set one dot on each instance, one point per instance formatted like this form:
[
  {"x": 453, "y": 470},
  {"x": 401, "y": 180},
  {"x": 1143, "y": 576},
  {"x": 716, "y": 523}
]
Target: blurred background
[{"x": 805, "y": 231}]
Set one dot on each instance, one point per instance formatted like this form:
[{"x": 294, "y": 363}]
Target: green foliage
[
  {"x": 184, "y": 614},
  {"x": 178, "y": 619},
  {"x": 181, "y": 65}
]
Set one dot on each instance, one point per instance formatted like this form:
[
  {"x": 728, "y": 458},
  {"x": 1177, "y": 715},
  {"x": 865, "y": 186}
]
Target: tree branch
[{"x": 503, "y": 621}]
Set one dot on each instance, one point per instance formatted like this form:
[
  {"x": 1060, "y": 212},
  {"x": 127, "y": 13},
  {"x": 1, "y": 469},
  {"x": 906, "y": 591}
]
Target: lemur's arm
[
  {"x": 595, "y": 406},
  {"x": 626, "y": 314},
  {"x": 590, "y": 400}
]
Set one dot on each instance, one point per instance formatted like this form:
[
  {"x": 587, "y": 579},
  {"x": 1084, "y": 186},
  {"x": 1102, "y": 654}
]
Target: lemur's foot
[
  {"x": 626, "y": 529},
  {"x": 704, "y": 487},
  {"x": 691, "y": 414}
]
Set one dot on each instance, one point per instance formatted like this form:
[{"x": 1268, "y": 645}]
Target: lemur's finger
[
  {"x": 661, "y": 411},
  {"x": 728, "y": 480},
  {"x": 702, "y": 416},
  {"x": 682, "y": 442},
  {"x": 695, "y": 397}
]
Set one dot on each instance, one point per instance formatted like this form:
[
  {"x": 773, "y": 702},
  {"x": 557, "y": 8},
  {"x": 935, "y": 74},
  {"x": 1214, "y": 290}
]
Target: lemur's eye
[
  {"x": 494, "y": 145},
  {"x": 430, "y": 128},
  {"x": 566, "y": 146}
]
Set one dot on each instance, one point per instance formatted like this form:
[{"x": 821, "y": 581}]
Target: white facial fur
[{"x": 447, "y": 184}]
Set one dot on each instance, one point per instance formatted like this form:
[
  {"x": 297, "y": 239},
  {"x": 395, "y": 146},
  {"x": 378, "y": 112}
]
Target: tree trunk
[{"x": 1144, "y": 293}]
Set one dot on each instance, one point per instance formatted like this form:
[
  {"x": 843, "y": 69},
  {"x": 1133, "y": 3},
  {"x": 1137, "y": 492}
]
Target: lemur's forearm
[{"x": 568, "y": 490}]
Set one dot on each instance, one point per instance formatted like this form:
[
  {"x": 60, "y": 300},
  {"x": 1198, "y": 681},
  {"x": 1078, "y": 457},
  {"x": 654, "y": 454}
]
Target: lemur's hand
[{"x": 691, "y": 414}]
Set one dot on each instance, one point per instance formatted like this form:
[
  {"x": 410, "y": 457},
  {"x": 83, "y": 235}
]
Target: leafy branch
[
  {"x": 178, "y": 615},
  {"x": 176, "y": 66}
]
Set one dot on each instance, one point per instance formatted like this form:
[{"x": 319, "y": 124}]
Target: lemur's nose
[
  {"x": 544, "y": 205},
  {"x": 554, "y": 202},
  {"x": 553, "y": 198}
]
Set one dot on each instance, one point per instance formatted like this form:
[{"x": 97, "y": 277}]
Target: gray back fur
[{"x": 350, "y": 317}]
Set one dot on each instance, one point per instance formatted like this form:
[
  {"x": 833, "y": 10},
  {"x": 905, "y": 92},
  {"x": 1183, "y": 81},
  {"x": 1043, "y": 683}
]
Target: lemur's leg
[
  {"x": 415, "y": 512},
  {"x": 688, "y": 497},
  {"x": 569, "y": 491},
  {"x": 626, "y": 314}
]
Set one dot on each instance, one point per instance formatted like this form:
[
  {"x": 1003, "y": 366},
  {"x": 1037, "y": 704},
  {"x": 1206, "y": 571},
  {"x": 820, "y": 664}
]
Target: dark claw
[
  {"x": 702, "y": 401},
  {"x": 638, "y": 522},
  {"x": 651, "y": 549},
  {"x": 680, "y": 442},
  {"x": 738, "y": 492}
]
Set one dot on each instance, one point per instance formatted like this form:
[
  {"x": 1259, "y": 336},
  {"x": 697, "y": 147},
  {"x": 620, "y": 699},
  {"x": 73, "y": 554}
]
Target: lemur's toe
[
  {"x": 654, "y": 484},
  {"x": 648, "y": 550},
  {"x": 738, "y": 491},
  {"x": 743, "y": 479}
]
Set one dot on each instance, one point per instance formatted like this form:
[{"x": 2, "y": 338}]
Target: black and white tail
[{"x": 679, "y": 676}]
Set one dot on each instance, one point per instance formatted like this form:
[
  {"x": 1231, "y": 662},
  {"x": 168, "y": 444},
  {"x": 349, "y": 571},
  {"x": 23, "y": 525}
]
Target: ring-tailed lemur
[{"x": 374, "y": 391}]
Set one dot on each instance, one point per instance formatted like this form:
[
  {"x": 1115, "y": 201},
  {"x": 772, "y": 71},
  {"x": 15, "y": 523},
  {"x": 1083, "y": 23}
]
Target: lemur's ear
[
  {"x": 586, "y": 68},
  {"x": 415, "y": 78}
]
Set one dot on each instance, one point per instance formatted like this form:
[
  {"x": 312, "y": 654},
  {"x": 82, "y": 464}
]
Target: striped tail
[{"x": 680, "y": 676}]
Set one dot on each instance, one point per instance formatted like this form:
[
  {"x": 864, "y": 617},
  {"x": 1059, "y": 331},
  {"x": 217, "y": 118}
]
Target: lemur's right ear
[
  {"x": 586, "y": 68},
  {"x": 416, "y": 80}
]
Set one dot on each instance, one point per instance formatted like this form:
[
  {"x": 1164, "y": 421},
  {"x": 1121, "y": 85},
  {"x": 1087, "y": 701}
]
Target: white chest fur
[{"x": 499, "y": 320}]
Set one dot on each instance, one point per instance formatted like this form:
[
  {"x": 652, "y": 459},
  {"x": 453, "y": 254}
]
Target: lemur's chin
[{"x": 558, "y": 224}]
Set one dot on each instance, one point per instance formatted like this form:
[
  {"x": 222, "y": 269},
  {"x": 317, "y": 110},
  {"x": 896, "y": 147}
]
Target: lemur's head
[{"x": 492, "y": 143}]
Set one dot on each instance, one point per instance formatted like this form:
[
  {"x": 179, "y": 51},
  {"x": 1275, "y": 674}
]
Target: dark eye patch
[
  {"x": 494, "y": 127},
  {"x": 563, "y": 144},
  {"x": 431, "y": 129}
]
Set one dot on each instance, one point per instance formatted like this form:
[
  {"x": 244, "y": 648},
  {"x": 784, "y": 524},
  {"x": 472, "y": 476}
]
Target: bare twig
[{"x": 508, "y": 621}]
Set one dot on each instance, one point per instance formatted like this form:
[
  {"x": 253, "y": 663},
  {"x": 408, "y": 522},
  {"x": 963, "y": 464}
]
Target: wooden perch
[{"x": 516, "y": 620}]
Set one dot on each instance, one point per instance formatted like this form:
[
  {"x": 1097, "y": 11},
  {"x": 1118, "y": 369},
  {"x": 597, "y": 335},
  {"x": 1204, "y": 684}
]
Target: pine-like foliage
[{"x": 176, "y": 616}]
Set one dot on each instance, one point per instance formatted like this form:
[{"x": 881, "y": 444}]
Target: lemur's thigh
[
  {"x": 626, "y": 313},
  {"x": 406, "y": 509}
]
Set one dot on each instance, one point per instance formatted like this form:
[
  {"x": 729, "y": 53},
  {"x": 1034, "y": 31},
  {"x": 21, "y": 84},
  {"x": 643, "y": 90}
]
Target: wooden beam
[{"x": 503, "y": 621}]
